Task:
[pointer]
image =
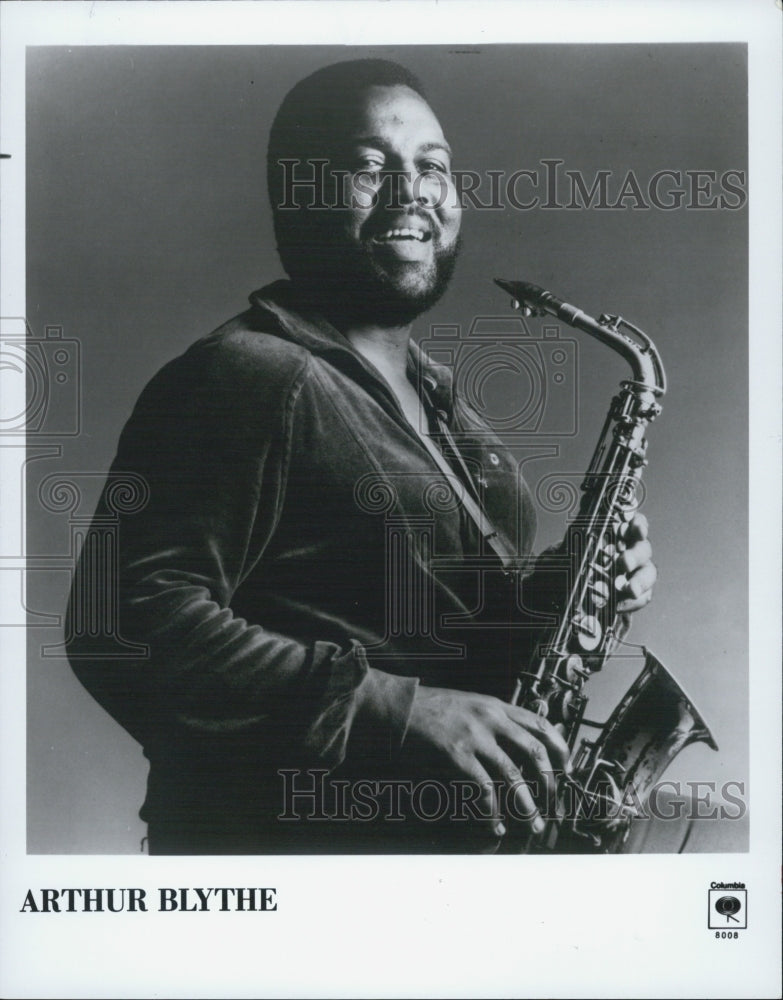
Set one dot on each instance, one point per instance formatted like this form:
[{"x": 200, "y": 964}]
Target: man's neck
[{"x": 385, "y": 347}]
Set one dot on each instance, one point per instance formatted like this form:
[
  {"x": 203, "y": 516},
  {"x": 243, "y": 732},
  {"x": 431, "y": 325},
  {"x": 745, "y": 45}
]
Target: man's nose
[{"x": 405, "y": 188}]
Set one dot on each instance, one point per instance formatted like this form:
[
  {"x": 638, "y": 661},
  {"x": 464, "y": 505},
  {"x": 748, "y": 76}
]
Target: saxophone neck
[{"x": 614, "y": 332}]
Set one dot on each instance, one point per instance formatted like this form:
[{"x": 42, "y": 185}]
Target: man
[{"x": 311, "y": 574}]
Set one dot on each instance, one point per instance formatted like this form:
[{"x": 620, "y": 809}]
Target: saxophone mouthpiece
[
  {"x": 507, "y": 286},
  {"x": 528, "y": 298}
]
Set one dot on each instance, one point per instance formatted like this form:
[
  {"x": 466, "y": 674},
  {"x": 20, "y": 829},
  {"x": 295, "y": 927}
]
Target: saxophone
[{"x": 611, "y": 776}]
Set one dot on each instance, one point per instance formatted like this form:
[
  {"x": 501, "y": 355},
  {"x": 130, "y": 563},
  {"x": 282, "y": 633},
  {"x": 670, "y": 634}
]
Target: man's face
[{"x": 392, "y": 247}]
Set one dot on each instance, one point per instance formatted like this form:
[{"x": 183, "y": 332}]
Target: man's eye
[
  {"x": 434, "y": 166},
  {"x": 368, "y": 165}
]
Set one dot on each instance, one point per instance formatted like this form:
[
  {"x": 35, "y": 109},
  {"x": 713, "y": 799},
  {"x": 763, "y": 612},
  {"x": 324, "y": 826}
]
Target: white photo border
[{"x": 441, "y": 926}]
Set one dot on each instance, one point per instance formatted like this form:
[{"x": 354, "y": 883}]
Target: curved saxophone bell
[{"x": 614, "y": 775}]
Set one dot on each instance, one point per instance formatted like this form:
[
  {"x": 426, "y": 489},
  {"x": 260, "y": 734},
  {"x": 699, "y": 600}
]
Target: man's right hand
[{"x": 480, "y": 739}]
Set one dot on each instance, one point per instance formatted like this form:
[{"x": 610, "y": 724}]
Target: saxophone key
[
  {"x": 598, "y": 594},
  {"x": 541, "y": 707},
  {"x": 563, "y": 707},
  {"x": 607, "y": 555},
  {"x": 588, "y": 631},
  {"x": 600, "y": 570},
  {"x": 573, "y": 669}
]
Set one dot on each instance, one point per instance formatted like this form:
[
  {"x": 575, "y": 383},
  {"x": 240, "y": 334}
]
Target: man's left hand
[{"x": 636, "y": 572}]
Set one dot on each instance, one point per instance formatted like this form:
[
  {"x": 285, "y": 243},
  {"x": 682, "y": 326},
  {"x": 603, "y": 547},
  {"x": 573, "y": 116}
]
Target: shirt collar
[
  {"x": 433, "y": 381},
  {"x": 304, "y": 325},
  {"x": 299, "y": 321}
]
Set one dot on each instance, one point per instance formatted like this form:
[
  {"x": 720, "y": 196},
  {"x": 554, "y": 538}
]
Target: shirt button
[{"x": 493, "y": 458}]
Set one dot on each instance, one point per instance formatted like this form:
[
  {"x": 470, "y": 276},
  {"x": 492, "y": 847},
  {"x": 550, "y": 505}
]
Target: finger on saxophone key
[{"x": 523, "y": 807}]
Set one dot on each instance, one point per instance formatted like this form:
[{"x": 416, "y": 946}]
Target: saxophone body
[{"x": 611, "y": 775}]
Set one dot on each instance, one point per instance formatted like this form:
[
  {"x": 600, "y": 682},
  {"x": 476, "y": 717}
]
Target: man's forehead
[{"x": 380, "y": 107}]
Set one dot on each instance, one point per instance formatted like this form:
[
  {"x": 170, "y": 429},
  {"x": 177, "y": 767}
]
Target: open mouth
[{"x": 403, "y": 234}]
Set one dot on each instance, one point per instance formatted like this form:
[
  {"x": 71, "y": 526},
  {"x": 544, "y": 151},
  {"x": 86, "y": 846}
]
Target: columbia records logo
[{"x": 727, "y": 906}]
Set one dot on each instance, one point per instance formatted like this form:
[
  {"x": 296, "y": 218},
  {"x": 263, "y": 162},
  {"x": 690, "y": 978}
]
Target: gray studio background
[{"x": 147, "y": 226}]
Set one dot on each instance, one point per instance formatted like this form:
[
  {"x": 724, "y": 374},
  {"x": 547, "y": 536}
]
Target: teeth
[{"x": 391, "y": 234}]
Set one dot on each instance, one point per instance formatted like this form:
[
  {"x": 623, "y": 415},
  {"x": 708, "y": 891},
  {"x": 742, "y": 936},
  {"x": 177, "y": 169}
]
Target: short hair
[{"x": 309, "y": 122}]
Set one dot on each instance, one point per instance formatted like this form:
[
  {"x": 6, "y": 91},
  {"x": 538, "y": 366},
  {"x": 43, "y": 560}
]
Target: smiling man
[
  {"x": 319, "y": 499},
  {"x": 379, "y": 155}
]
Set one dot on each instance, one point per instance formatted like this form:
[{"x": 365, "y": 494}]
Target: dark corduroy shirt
[{"x": 300, "y": 565}]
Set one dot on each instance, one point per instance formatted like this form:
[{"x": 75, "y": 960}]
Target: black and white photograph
[{"x": 390, "y": 429}]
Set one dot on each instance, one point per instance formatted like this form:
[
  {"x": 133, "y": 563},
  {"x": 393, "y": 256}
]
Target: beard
[{"x": 351, "y": 286}]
